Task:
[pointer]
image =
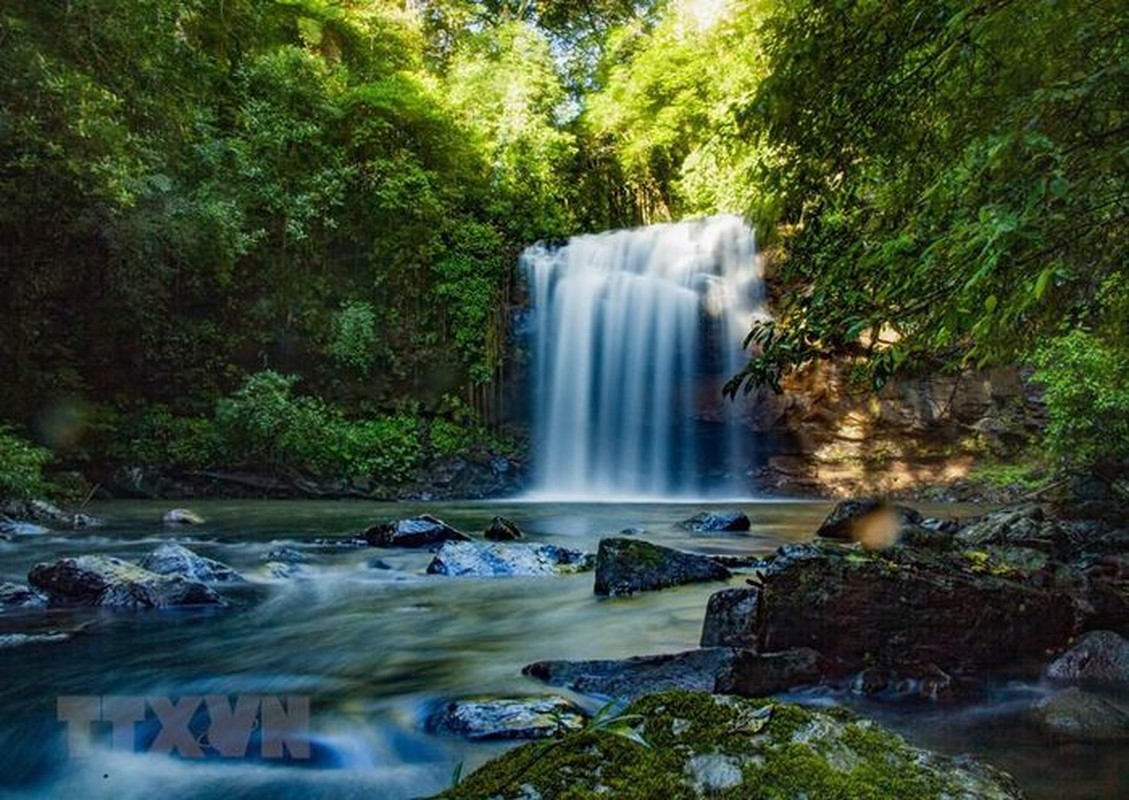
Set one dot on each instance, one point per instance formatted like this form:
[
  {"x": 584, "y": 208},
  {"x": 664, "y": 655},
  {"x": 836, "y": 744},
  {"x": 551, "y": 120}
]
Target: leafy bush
[
  {"x": 387, "y": 449},
  {"x": 21, "y": 466},
  {"x": 157, "y": 436},
  {"x": 1087, "y": 397}
]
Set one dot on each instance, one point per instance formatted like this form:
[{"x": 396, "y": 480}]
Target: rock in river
[
  {"x": 625, "y": 566},
  {"x": 1099, "y": 656},
  {"x": 507, "y": 718},
  {"x": 475, "y": 559},
  {"x": 107, "y": 581},
  {"x": 1082, "y": 716},
  {"x": 182, "y": 516},
  {"x": 173, "y": 559},
  {"x": 731, "y": 617},
  {"x": 422, "y": 531},
  {"x": 694, "y": 746},
  {"x": 503, "y": 530},
  {"x": 716, "y": 521},
  {"x": 14, "y": 596},
  {"x": 696, "y": 670}
]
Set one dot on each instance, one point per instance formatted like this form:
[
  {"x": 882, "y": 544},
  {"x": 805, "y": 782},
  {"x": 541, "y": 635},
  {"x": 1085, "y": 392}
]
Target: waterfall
[{"x": 633, "y": 334}]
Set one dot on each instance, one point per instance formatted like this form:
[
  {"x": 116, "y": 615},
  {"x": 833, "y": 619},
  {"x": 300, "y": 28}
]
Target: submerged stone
[
  {"x": 16, "y": 596},
  {"x": 698, "y": 745},
  {"x": 1082, "y": 716},
  {"x": 625, "y": 566}
]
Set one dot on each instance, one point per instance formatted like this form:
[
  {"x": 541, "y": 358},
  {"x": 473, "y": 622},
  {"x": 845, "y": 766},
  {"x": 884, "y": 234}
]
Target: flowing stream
[
  {"x": 374, "y": 647},
  {"x": 634, "y": 333}
]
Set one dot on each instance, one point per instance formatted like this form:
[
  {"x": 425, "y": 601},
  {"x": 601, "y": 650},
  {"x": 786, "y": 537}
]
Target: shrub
[
  {"x": 1087, "y": 398},
  {"x": 21, "y": 466}
]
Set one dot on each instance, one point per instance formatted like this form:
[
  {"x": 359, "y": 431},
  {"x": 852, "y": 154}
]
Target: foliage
[
  {"x": 1087, "y": 395},
  {"x": 21, "y": 466}
]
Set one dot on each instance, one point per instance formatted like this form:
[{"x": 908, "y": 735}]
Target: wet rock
[
  {"x": 625, "y": 566},
  {"x": 502, "y": 530},
  {"x": 111, "y": 582},
  {"x": 731, "y": 616},
  {"x": 174, "y": 559},
  {"x": 15, "y": 596},
  {"x": 507, "y": 718},
  {"x": 1018, "y": 526},
  {"x": 280, "y": 570},
  {"x": 927, "y": 682},
  {"x": 903, "y": 608},
  {"x": 286, "y": 554},
  {"x": 181, "y": 516},
  {"x": 872, "y": 522},
  {"x": 47, "y": 513},
  {"x": 1099, "y": 656},
  {"x": 422, "y": 531},
  {"x": 696, "y": 670},
  {"x": 1107, "y": 579},
  {"x": 1081, "y": 716},
  {"x": 761, "y": 674},
  {"x": 474, "y": 559},
  {"x": 695, "y": 746},
  {"x": 11, "y": 527},
  {"x": 633, "y": 531},
  {"x": 716, "y": 521}
]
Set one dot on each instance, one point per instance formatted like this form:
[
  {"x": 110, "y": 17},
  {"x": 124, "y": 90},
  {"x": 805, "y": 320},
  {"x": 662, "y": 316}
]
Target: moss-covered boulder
[
  {"x": 113, "y": 583},
  {"x": 679, "y": 745},
  {"x": 626, "y": 566}
]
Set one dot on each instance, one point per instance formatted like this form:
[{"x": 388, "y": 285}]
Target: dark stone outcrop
[
  {"x": 48, "y": 514},
  {"x": 906, "y": 608},
  {"x": 694, "y": 746},
  {"x": 507, "y": 718},
  {"x": 475, "y": 559},
  {"x": 716, "y": 522},
  {"x": 503, "y": 530},
  {"x": 111, "y": 582},
  {"x": 625, "y": 566},
  {"x": 761, "y": 674},
  {"x": 696, "y": 670},
  {"x": 422, "y": 531},
  {"x": 849, "y": 516},
  {"x": 1018, "y": 526},
  {"x": 174, "y": 559},
  {"x": 1099, "y": 657},
  {"x": 731, "y": 619}
]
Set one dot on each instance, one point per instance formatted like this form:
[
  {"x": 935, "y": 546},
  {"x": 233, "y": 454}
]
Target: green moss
[{"x": 784, "y": 751}]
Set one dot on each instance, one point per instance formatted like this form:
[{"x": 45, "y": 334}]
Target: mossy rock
[{"x": 699, "y": 745}]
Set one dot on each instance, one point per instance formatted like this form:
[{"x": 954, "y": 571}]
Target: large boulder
[
  {"x": 731, "y": 619},
  {"x": 1028, "y": 526},
  {"x": 475, "y": 559},
  {"x": 174, "y": 559},
  {"x": 694, "y": 746},
  {"x": 1099, "y": 656},
  {"x": 503, "y": 530},
  {"x": 902, "y": 608},
  {"x": 717, "y": 521},
  {"x": 507, "y": 718},
  {"x": 47, "y": 513},
  {"x": 111, "y": 582},
  {"x": 422, "y": 531},
  {"x": 625, "y": 566},
  {"x": 762, "y": 674},
  {"x": 695, "y": 670}
]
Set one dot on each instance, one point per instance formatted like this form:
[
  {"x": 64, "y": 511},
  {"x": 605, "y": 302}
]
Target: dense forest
[{"x": 283, "y": 234}]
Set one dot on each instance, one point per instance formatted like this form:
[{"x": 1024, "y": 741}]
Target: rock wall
[{"x": 825, "y": 437}]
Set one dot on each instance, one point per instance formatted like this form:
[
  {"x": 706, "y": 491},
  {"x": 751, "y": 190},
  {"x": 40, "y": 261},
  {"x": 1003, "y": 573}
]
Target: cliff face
[{"x": 824, "y": 437}]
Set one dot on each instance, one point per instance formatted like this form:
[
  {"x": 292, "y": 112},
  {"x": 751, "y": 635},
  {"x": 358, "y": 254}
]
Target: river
[{"x": 374, "y": 648}]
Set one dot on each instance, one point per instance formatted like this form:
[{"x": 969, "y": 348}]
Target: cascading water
[{"x": 634, "y": 332}]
